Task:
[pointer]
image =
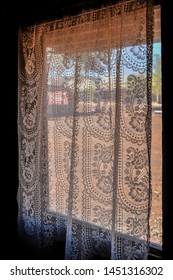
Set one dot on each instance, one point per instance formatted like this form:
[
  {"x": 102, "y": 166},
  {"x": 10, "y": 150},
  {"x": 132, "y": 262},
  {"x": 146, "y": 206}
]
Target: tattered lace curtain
[{"x": 84, "y": 132}]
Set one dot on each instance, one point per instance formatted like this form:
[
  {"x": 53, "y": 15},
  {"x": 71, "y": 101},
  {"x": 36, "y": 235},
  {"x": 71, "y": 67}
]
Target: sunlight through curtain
[{"x": 84, "y": 123}]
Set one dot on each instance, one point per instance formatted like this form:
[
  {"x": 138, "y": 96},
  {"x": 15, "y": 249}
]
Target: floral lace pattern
[
  {"x": 102, "y": 216},
  {"x": 84, "y": 132},
  {"x": 136, "y": 226},
  {"x": 103, "y": 163},
  {"x": 28, "y": 163},
  {"x": 137, "y": 174}
]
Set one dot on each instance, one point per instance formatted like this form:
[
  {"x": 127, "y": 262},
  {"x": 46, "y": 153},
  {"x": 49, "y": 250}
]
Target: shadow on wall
[{"x": 29, "y": 251}]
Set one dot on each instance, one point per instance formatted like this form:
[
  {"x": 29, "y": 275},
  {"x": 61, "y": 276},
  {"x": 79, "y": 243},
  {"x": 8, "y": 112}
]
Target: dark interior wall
[
  {"x": 34, "y": 11},
  {"x": 20, "y": 13},
  {"x": 9, "y": 154},
  {"x": 167, "y": 101}
]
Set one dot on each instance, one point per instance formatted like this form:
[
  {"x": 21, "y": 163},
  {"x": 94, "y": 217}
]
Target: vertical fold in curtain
[{"x": 84, "y": 126}]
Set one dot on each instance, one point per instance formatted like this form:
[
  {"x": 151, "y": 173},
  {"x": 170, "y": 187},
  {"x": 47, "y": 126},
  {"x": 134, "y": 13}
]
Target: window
[
  {"x": 84, "y": 94},
  {"x": 156, "y": 155},
  {"x": 60, "y": 105}
]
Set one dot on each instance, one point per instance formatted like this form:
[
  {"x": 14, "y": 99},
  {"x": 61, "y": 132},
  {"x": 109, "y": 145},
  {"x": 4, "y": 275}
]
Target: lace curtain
[{"x": 84, "y": 118}]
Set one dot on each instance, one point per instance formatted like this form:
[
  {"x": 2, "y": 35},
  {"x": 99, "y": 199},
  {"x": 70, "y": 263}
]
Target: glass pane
[{"x": 156, "y": 155}]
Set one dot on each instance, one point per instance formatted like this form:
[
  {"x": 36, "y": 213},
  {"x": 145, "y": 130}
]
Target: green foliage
[{"x": 156, "y": 80}]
